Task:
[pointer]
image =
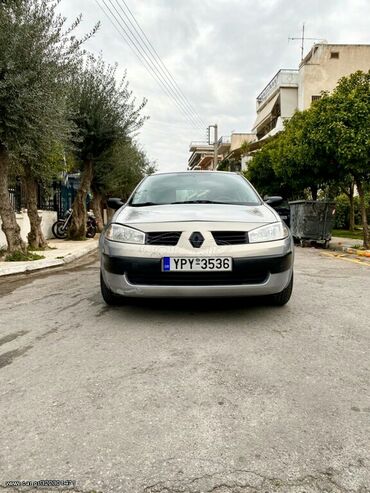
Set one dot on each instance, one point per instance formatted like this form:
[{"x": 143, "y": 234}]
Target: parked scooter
[{"x": 60, "y": 227}]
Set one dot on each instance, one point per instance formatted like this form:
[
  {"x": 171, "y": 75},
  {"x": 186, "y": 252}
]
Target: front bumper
[{"x": 143, "y": 277}]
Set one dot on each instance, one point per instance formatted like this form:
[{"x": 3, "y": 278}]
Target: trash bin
[{"x": 312, "y": 221}]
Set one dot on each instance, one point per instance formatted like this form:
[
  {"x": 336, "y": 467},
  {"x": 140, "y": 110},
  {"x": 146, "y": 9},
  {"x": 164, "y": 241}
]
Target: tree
[
  {"x": 117, "y": 174},
  {"x": 39, "y": 53},
  {"x": 297, "y": 161},
  {"x": 340, "y": 129},
  {"x": 262, "y": 175},
  {"x": 105, "y": 113}
]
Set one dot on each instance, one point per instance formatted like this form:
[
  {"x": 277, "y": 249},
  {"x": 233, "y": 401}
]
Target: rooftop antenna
[{"x": 302, "y": 39}]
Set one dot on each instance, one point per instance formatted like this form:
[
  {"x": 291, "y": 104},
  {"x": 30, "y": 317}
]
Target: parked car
[{"x": 192, "y": 234}]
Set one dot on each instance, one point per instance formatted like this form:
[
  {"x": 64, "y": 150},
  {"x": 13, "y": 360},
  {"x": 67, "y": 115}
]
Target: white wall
[
  {"x": 48, "y": 218},
  {"x": 319, "y": 72},
  {"x": 288, "y": 101}
]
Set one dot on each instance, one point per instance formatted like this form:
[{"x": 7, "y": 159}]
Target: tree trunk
[
  {"x": 9, "y": 221},
  {"x": 365, "y": 225},
  {"x": 110, "y": 213},
  {"x": 97, "y": 203},
  {"x": 351, "y": 207},
  {"x": 314, "y": 191},
  {"x": 35, "y": 236},
  {"x": 77, "y": 230}
]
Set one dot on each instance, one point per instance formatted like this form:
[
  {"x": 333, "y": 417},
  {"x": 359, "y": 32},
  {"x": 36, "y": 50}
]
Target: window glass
[{"x": 195, "y": 187}]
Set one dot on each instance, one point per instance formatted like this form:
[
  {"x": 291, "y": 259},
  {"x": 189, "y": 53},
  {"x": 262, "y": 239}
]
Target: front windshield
[{"x": 198, "y": 188}]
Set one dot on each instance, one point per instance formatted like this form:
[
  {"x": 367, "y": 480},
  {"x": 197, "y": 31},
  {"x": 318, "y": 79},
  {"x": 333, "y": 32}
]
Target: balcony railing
[{"x": 285, "y": 77}]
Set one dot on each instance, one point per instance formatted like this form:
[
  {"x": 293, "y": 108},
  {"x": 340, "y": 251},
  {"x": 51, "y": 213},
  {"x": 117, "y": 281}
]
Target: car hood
[{"x": 195, "y": 213}]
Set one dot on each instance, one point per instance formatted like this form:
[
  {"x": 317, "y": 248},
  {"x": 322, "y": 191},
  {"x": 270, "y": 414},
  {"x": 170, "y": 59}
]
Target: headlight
[
  {"x": 270, "y": 232},
  {"x": 118, "y": 232}
]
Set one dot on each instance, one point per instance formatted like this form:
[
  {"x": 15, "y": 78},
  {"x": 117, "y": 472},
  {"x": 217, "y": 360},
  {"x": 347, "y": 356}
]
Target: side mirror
[
  {"x": 115, "y": 203},
  {"x": 274, "y": 200}
]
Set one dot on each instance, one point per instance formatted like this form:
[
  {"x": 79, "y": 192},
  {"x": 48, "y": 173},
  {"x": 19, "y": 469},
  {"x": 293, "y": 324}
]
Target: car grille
[
  {"x": 169, "y": 238},
  {"x": 196, "y": 278},
  {"x": 230, "y": 237}
]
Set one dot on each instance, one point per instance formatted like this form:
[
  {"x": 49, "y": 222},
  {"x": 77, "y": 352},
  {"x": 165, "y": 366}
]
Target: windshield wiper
[
  {"x": 200, "y": 201},
  {"x": 144, "y": 204}
]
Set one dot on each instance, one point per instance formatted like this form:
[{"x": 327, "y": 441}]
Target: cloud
[{"x": 221, "y": 53}]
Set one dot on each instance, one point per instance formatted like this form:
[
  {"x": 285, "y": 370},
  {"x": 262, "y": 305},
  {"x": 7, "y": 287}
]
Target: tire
[
  {"x": 58, "y": 231},
  {"x": 109, "y": 297},
  {"x": 282, "y": 298}
]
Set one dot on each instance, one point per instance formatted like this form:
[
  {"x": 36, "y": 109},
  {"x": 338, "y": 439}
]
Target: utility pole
[
  {"x": 215, "y": 143},
  {"x": 215, "y": 151}
]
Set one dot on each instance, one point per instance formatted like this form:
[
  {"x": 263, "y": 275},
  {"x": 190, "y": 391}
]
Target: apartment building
[
  {"x": 201, "y": 156},
  {"x": 291, "y": 89},
  {"x": 228, "y": 148}
]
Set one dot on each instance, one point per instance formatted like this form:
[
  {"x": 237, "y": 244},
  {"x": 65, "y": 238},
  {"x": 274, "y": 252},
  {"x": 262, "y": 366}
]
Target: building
[
  {"x": 228, "y": 152},
  {"x": 291, "y": 89},
  {"x": 201, "y": 156},
  {"x": 324, "y": 65},
  {"x": 276, "y": 102}
]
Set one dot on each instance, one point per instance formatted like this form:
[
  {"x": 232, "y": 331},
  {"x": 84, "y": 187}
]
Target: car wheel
[
  {"x": 282, "y": 298},
  {"x": 108, "y": 296}
]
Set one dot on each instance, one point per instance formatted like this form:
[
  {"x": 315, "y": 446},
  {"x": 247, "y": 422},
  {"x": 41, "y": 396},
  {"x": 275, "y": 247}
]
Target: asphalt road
[{"x": 169, "y": 397}]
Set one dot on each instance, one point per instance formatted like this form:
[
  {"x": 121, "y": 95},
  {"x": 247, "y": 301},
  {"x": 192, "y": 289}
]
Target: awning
[{"x": 265, "y": 112}]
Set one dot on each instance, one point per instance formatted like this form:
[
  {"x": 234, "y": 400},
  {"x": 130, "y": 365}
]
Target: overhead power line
[
  {"x": 144, "y": 60},
  {"x": 159, "y": 71},
  {"x": 151, "y": 49}
]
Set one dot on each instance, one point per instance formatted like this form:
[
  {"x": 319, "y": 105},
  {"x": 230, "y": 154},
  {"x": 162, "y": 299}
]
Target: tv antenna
[{"x": 302, "y": 39}]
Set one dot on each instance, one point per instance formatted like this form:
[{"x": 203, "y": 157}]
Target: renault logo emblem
[{"x": 196, "y": 239}]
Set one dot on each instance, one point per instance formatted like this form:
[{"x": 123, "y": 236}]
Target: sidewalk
[
  {"x": 349, "y": 245},
  {"x": 61, "y": 252},
  {"x": 339, "y": 243}
]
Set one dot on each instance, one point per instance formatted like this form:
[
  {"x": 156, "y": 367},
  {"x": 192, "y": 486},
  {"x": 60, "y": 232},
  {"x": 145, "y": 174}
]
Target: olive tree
[
  {"x": 117, "y": 173},
  {"x": 39, "y": 53},
  {"x": 105, "y": 113}
]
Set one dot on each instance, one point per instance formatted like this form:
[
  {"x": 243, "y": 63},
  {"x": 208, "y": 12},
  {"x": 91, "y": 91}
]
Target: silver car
[{"x": 193, "y": 234}]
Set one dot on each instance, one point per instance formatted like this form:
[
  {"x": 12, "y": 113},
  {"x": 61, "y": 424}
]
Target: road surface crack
[{"x": 233, "y": 482}]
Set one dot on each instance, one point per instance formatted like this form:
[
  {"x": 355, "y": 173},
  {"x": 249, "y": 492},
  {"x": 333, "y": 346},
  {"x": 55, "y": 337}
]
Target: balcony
[
  {"x": 199, "y": 145},
  {"x": 284, "y": 78},
  {"x": 224, "y": 143}
]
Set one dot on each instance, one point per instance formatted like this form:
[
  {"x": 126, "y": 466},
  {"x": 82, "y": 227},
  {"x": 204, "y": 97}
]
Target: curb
[
  {"x": 355, "y": 251},
  {"x": 9, "y": 270}
]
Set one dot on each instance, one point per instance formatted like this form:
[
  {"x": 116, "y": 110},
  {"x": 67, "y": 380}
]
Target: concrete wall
[
  {"x": 288, "y": 101},
  {"x": 320, "y": 72},
  {"x": 237, "y": 139},
  {"x": 48, "y": 218}
]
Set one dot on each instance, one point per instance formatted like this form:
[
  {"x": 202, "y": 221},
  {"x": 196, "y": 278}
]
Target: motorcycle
[
  {"x": 91, "y": 226},
  {"x": 60, "y": 227}
]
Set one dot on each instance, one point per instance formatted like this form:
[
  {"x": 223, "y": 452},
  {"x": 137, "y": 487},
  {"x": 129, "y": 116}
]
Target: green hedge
[{"x": 342, "y": 212}]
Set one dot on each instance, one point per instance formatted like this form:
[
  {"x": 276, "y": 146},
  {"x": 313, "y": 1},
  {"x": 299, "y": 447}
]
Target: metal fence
[
  {"x": 54, "y": 197},
  {"x": 16, "y": 196},
  {"x": 62, "y": 197}
]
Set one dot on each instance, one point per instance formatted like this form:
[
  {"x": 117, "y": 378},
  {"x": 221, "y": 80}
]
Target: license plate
[{"x": 190, "y": 264}]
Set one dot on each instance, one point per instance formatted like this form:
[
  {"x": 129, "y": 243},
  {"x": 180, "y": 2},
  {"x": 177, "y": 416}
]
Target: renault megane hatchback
[{"x": 192, "y": 234}]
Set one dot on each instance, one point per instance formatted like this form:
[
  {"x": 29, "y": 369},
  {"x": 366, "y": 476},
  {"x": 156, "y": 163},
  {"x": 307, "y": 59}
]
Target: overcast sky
[{"x": 220, "y": 52}]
